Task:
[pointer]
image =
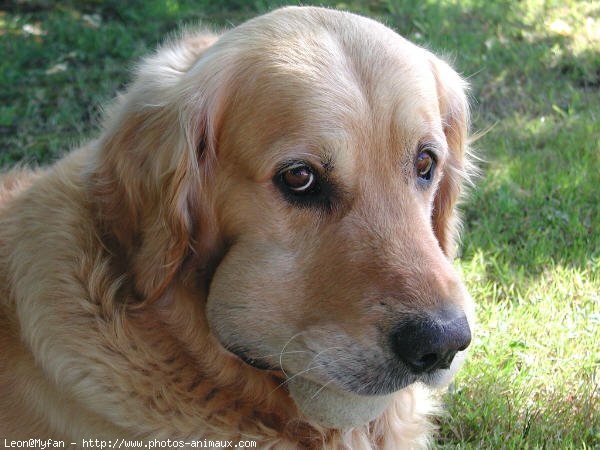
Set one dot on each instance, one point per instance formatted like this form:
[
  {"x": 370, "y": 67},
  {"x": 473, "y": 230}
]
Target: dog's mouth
[
  {"x": 380, "y": 378},
  {"x": 349, "y": 398},
  {"x": 381, "y": 381},
  {"x": 369, "y": 383},
  {"x": 244, "y": 354},
  {"x": 321, "y": 403},
  {"x": 355, "y": 405}
]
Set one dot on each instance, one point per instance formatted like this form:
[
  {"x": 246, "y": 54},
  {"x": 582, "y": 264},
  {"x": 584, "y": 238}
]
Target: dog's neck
[{"x": 217, "y": 388}]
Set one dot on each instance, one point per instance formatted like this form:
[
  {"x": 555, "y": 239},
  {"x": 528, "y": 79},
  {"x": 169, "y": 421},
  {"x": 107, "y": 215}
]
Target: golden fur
[{"x": 128, "y": 266}]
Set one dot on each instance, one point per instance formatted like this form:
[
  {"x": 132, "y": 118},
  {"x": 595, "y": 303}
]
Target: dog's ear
[
  {"x": 148, "y": 178},
  {"x": 454, "y": 110}
]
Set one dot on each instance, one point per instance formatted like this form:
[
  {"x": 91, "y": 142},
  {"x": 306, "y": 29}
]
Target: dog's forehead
[
  {"x": 355, "y": 118},
  {"x": 336, "y": 86}
]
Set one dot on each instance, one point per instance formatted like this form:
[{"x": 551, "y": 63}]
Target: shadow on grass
[{"x": 537, "y": 204}]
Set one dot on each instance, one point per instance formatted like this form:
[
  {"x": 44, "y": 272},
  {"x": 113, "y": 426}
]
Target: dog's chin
[
  {"x": 329, "y": 406},
  {"x": 333, "y": 408},
  {"x": 324, "y": 404}
]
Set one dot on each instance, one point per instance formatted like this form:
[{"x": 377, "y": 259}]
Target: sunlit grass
[{"x": 532, "y": 376}]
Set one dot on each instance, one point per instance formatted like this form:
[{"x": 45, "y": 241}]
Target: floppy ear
[
  {"x": 454, "y": 111},
  {"x": 151, "y": 163}
]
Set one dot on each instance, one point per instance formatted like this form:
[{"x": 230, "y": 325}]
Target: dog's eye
[
  {"x": 303, "y": 185},
  {"x": 425, "y": 166},
  {"x": 299, "y": 179}
]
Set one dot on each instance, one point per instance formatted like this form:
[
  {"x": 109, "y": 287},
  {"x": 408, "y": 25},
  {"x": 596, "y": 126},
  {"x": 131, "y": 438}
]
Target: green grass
[{"x": 530, "y": 247}]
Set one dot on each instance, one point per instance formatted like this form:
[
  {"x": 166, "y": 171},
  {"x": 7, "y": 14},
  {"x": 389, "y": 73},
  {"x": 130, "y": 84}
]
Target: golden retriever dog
[{"x": 258, "y": 246}]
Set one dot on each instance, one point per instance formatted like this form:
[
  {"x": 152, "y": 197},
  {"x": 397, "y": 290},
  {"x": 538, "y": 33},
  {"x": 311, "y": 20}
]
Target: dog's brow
[{"x": 327, "y": 162}]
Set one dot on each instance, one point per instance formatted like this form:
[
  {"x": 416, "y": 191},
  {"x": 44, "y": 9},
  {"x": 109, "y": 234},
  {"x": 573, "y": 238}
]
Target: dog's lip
[
  {"x": 380, "y": 386},
  {"x": 435, "y": 378},
  {"x": 368, "y": 388},
  {"x": 243, "y": 354}
]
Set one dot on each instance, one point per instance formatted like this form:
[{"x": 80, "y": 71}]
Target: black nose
[{"x": 430, "y": 342}]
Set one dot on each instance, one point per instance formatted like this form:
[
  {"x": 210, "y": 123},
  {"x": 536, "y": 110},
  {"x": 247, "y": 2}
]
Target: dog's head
[{"x": 307, "y": 165}]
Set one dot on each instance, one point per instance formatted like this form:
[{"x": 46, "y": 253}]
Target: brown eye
[
  {"x": 425, "y": 165},
  {"x": 304, "y": 185},
  {"x": 299, "y": 179}
]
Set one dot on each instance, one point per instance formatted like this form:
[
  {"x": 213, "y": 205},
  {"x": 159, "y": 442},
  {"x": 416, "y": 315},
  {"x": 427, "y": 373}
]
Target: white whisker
[
  {"x": 283, "y": 351},
  {"x": 279, "y": 354},
  {"x": 309, "y": 368}
]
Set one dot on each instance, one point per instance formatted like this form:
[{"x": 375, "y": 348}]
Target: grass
[{"x": 531, "y": 239}]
